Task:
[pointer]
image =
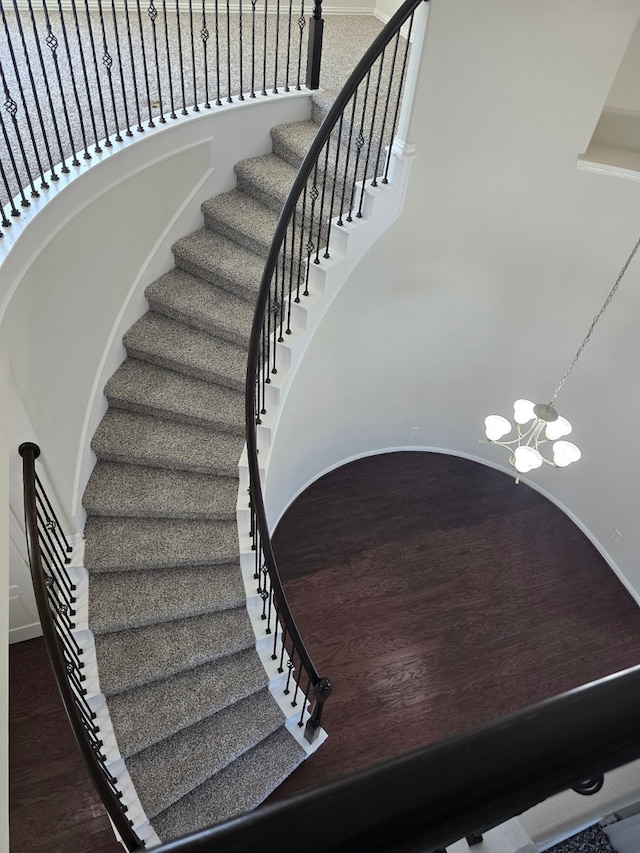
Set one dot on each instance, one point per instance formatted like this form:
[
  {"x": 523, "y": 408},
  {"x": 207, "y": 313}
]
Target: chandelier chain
[{"x": 595, "y": 320}]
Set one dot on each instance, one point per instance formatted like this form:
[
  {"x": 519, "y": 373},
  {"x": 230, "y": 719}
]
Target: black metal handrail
[
  {"x": 75, "y": 81},
  {"x": 54, "y": 593},
  {"x": 467, "y": 783},
  {"x": 352, "y": 144}
]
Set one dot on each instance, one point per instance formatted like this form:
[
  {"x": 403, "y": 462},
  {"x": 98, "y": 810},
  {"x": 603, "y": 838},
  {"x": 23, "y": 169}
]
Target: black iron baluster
[
  {"x": 204, "y": 33},
  {"x": 265, "y": 371},
  {"x": 275, "y": 70},
  {"x": 300, "y": 242},
  {"x": 268, "y": 327},
  {"x": 196, "y": 108},
  {"x": 284, "y": 276},
  {"x": 333, "y": 188},
  {"x": 44, "y": 501},
  {"x": 45, "y": 136},
  {"x": 314, "y": 46},
  {"x": 289, "y": 22},
  {"x": 107, "y": 61},
  {"x": 179, "y": 33},
  {"x": 172, "y": 114},
  {"x": 257, "y": 393},
  {"x": 371, "y": 132},
  {"x": 346, "y": 167},
  {"x": 253, "y": 48},
  {"x": 125, "y": 100},
  {"x": 305, "y": 702},
  {"x": 283, "y": 650},
  {"x": 218, "y": 101},
  {"x": 385, "y": 178},
  {"x": 52, "y": 44},
  {"x": 321, "y": 690},
  {"x": 229, "y": 99},
  {"x": 241, "y": 95},
  {"x": 107, "y": 141},
  {"x": 153, "y": 17},
  {"x": 12, "y": 108},
  {"x": 294, "y": 701},
  {"x": 291, "y": 266},
  {"x": 134, "y": 78},
  {"x": 314, "y": 193},
  {"x": 143, "y": 51},
  {"x": 359, "y": 142},
  {"x": 85, "y": 77},
  {"x": 45, "y": 77},
  {"x": 24, "y": 201},
  {"x": 327, "y": 146},
  {"x": 374, "y": 182},
  {"x": 301, "y": 25},
  {"x": 14, "y": 210},
  {"x": 291, "y": 667},
  {"x": 264, "y": 53}
]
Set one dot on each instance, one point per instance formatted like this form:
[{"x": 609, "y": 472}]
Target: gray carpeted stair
[{"x": 202, "y": 737}]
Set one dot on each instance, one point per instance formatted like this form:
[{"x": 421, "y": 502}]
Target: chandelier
[{"x": 538, "y": 426}]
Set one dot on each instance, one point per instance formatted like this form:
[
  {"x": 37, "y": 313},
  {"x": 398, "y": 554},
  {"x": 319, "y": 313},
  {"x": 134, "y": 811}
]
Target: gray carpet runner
[{"x": 202, "y": 737}]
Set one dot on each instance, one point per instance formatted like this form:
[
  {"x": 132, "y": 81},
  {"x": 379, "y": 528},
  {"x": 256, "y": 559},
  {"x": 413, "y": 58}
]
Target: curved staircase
[{"x": 201, "y": 736}]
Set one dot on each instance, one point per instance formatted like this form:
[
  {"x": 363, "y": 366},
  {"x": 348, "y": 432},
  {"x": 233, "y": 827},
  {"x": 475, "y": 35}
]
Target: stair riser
[
  {"x": 213, "y": 277},
  {"x": 180, "y": 367},
  {"x": 211, "y": 326},
  {"x": 172, "y": 415},
  {"x": 242, "y": 238},
  {"x": 185, "y": 464}
]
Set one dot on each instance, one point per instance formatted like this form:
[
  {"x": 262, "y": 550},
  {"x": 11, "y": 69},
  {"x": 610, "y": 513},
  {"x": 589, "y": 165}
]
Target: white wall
[{"x": 484, "y": 288}]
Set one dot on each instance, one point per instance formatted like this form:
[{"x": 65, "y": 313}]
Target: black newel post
[
  {"x": 314, "y": 46},
  {"x": 321, "y": 692}
]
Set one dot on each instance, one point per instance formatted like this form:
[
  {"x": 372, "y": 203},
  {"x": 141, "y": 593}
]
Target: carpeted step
[
  {"x": 190, "y": 300},
  {"x": 267, "y": 179},
  {"x": 292, "y": 141},
  {"x": 120, "y": 489},
  {"x": 241, "y": 786},
  {"x": 219, "y": 261},
  {"x": 120, "y": 600},
  {"x": 183, "y": 348},
  {"x": 148, "y": 714},
  {"x": 145, "y": 543},
  {"x": 142, "y": 440},
  {"x": 169, "y": 770},
  {"x": 137, "y": 656},
  {"x": 241, "y": 219},
  {"x": 139, "y": 386}
]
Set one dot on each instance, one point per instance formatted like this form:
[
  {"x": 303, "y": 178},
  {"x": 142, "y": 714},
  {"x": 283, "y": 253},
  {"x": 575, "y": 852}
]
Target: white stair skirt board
[{"x": 509, "y": 837}]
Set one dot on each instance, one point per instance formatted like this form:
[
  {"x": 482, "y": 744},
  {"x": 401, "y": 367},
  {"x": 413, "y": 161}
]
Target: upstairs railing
[
  {"x": 55, "y": 593},
  {"x": 81, "y": 76},
  {"x": 350, "y": 152}
]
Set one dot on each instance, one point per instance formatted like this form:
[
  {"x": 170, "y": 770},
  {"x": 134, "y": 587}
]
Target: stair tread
[
  {"x": 291, "y": 141},
  {"x": 267, "y": 178},
  {"x": 241, "y": 786},
  {"x": 143, "y": 440},
  {"x": 137, "y": 656},
  {"x": 167, "y": 771},
  {"x": 169, "y": 343},
  {"x": 119, "y": 600},
  {"x": 121, "y": 489},
  {"x": 190, "y": 300},
  {"x": 144, "y": 387},
  {"x": 218, "y": 260},
  {"x": 154, "y": 711},
  {"x": 139, "y": 543},
  {"x": 242, "y": 219}
]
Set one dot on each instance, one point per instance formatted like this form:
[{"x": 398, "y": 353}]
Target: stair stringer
[{"x": 349, "y": 244}]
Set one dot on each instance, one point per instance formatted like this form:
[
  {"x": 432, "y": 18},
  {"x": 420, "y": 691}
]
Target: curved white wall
[{"x": 483, "y": 289}]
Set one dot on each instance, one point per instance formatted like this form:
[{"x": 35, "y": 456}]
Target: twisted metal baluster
[
  {"x": 152, "y": 12},
  {"x": 52, "y": 44},
  {"x": 314, "y": 194},
  {"x": 291, "y": 266},
  {"x": 12, "y": 108},
  {"x": 172, "y": 114},
  {"x": 359, "y": 142},
  {"x": 45, "y": 77},
  {"x": 179, "y": 30},
  {"x": 107, "y": 141},
  {"x": 327, "y": 146},
  {"x": 45, "y": 136},
  {"x": 107, "y": 61},
  {"x": 125, "y": 102},
  {"x": 134, "y": 79},
  {"x": 333, "y": 188},
  {"x": 204, "y": 32},
  {"x": 150, "y": 123}
]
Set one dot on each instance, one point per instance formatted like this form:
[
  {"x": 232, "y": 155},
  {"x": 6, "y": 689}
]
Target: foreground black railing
[
  {"x": 79, "y": 78},
  {"x": 466, "y": 784},
  {"x": 55, "y": 596},
  {"x": 353, "y": 144}
]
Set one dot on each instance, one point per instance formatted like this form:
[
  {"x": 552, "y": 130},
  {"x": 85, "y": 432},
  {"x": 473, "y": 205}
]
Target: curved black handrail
[
  {"x": 262, "y": 320},
  {"x": 55, "y": 650},
  {"x": 467, "y": 783}
]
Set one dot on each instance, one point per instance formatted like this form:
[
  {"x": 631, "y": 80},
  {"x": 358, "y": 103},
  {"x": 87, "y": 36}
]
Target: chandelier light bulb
[
  {"x": 496, "y": 427},
  {"x": 558, "y": 428},
  {"x": 526, "y": 459},
  {"x": 564, "y": 453},
  {"x": 523, "y": 411}
]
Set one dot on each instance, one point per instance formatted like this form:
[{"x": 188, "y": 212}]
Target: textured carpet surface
[{"x": 591, "y": 840}]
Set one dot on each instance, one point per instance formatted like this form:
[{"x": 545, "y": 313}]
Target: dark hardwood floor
[{"x": 434, "y": 593}]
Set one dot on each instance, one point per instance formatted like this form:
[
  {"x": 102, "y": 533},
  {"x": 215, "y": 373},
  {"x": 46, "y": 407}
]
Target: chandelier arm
[{"x": 595, "y": 320}]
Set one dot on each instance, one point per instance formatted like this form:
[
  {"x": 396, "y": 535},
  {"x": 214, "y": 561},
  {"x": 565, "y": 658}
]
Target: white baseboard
[{"x": 25, "y": 632}]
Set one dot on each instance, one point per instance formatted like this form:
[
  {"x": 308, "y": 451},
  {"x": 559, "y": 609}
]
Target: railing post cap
[{"x": 27, "y": 446}]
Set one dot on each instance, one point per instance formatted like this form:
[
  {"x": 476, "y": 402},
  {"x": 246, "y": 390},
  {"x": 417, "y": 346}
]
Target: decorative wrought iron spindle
[
  {"x": 196, "y": 108},
  {"x": 229, "y": 98},
  {"x": 180, "y": 60},
  {"x": 153, "y": 17},
  {"x": 107, "y": 142},
  {"x": 11, "y": 107},
  {"x": 145, "y": 69},
  {"x": 123, "y": 88},
  {"x": 172, "y": 114},
  {"x": 132, "y": 63},
  {"x": 204, "y": 33}
]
